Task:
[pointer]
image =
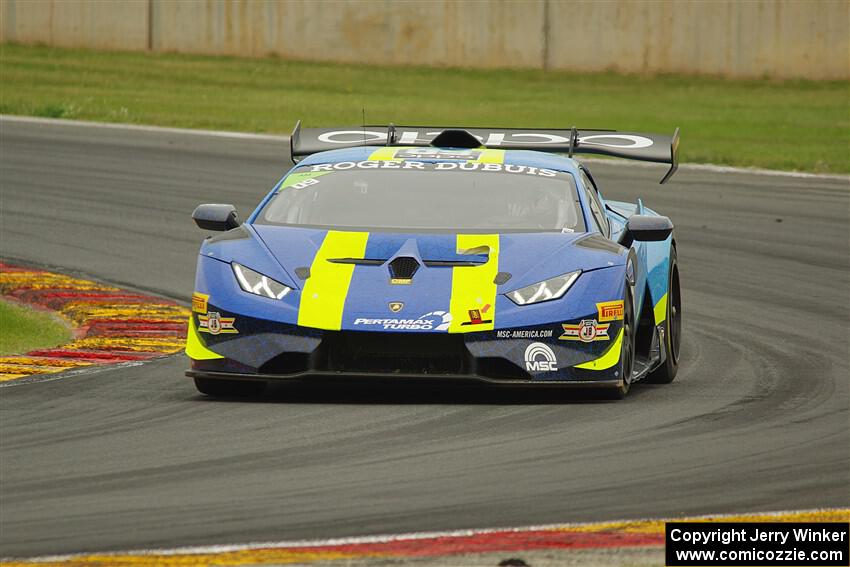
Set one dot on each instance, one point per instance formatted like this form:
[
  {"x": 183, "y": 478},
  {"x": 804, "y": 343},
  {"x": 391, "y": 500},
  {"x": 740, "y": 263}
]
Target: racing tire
[
  {"x": 230, "y": 388},
  {"x": 672, "y": 326},
  {"x": 627, "y": 355}
]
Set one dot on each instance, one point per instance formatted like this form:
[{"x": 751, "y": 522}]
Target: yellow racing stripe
[
  {"x": 608, "y": 359},
  {"x": 474, "y": 288},
  {"x": 195, "y": 348},
  {"x": 660, "y": 310},
  {"x": 385, "y": 154},
  {"x": 324, "y": 293},
  {"x": 491, "y": 156}
]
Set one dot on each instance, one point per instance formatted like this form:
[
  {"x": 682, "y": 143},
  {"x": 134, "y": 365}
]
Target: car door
[{"x": 603, "y": 224}]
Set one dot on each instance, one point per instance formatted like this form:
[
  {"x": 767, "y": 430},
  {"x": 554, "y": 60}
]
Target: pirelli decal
[
  {"x": 610, "y": 311},
  {"x": 324, "y": 293},
  {"x": 200, "y": 302},
  {"x": 473, "y": 300}
]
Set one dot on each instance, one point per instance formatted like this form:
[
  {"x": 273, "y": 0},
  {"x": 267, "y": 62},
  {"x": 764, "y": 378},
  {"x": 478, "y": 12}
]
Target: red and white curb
[
  {"x": 631, "y": 534},
  {"x": 110, "y": 325}
]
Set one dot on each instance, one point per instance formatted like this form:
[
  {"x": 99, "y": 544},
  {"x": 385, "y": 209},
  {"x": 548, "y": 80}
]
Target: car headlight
[
  {"x": 553, "y": 288},
  {"x": 258, "y": 284}
]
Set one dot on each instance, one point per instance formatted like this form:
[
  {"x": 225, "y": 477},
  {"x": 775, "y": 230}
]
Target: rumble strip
[
  {"x": 399, "y": 549},
  {"x": 110, "y": 325}
]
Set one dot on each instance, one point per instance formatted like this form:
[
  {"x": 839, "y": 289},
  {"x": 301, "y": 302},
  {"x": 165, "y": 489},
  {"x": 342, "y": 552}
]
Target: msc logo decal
[
  {"x": 610, "y": 310},
  {"x": 587, "y": 331},
  {"x": 199, "y": 302},
  {"x": 213, "y": 323},
  {"x": 540, "y": 358}
]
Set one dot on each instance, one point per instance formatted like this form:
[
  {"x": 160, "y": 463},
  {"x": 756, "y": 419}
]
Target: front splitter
[{"x": 348, "y": 377}]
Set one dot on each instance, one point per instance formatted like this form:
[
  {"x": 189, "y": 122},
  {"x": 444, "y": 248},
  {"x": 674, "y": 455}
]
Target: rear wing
[{"x": 640, "y": 146}]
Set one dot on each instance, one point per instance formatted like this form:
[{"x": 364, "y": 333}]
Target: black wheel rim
[{"x": 675, "y": 326}]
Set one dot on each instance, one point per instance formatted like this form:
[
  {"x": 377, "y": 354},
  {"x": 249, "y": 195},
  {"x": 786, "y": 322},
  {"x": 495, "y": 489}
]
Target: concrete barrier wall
[
  {"x": 473, "y": 34},
  {"x": 122, "y": 24},
  {"x": 755, "y": 38}
]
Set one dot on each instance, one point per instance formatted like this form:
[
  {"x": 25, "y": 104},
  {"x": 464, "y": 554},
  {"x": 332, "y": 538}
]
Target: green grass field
[
  {"x": 799, "y": 125},
  {"x": 23, "y": 330}
]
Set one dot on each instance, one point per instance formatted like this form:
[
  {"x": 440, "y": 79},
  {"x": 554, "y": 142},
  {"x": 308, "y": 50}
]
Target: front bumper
[{"x": 257, "y": 349}]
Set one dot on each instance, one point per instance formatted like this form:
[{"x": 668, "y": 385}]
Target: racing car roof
[{"x": 657, "y": 148}]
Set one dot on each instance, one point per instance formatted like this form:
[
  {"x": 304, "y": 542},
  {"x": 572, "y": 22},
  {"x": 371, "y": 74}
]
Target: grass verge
[
  {"x": 23, "y": 330},
  {"x": 793, "y": 125}
]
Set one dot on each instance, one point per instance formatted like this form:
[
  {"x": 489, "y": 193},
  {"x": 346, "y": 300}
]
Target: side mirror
[
  {"x": 215, "y": 217},
  {"x": 646, "y": 228}
]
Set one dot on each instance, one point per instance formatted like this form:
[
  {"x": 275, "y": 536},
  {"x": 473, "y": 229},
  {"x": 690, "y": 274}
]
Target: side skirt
[{"x": 656, "y": 356}]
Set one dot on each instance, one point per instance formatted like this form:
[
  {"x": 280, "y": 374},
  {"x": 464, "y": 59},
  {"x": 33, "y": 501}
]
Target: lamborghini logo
[{"x": 396, "y": 306}]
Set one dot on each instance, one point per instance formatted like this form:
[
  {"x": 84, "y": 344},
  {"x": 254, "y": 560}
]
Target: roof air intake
[{"x": 455, "y": 139}]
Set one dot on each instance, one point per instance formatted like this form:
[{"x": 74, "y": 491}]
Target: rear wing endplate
[{"x": 656, "y": 148}]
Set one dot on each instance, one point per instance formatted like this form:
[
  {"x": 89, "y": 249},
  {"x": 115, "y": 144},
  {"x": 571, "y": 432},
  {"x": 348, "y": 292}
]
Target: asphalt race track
[{"x": 134, "y": 457}]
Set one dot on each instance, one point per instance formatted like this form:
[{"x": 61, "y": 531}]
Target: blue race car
[{"x": 447, "y": 253}]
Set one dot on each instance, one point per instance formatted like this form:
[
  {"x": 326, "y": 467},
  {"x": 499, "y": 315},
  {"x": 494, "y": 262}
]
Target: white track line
[
  {"x": 141, "y": 128},
  {"x": 714, "y": 168},
  {"x": 285, "y": 140},
  {"x": 386, "y": 538}
]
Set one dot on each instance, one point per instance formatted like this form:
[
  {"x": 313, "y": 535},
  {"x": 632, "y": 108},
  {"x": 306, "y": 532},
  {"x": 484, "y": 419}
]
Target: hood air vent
[
  {"x": 403, "y": 267},
  {"x": 429, "y": 263}
]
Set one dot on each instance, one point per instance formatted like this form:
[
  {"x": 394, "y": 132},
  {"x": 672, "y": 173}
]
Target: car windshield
[{"x": 419, "y": 195}]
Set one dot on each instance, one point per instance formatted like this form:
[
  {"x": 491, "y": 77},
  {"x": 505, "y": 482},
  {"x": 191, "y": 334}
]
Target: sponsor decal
[
  {"x": 301, "y": 179},
  {"x": 494, "y": 138},
  {"x": 476, "y": 316},
  {"x": 610, "y": 311},
  {"x": 436, "y": 153},
  {"x": 525, "y": 334},
  {"x": 440, "y": 166},
  {"x": 401, "y": 281},
  {"x": 587, "y": 331},
  {"x": 540, "y": 358},
  {"x": 396, "y": 306},
  {"x": 305, "y": 183},
  {"x": 199, "y": 302},
  {"x": 433, "y": 321},
  {"x": 214, "y": 324}
]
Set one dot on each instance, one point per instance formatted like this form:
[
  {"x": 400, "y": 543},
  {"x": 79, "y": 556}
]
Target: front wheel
[
  {"x": 672, "y": 326},
  {"x": 230, "y": 388},
  {"x": 627, "y": 354}
]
